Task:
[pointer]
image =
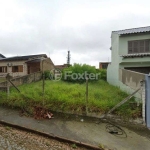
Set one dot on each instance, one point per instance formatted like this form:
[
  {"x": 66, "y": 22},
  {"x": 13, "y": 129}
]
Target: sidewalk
[{"x": 79, "y": 129}]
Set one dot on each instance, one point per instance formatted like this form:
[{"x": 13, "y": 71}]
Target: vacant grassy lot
[{"x": 64, "y": 96}]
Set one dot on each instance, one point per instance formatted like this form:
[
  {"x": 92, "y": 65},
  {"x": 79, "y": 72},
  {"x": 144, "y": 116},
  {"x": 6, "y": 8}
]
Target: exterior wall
[
  {"x": 14, "y": 63},
  {"x": 101, "y": 65},
  {"x": 123, "y": 41},
  {"x": 46, "y": 64},
  {"x": 113, "y": 67},
  {"x": 33, "y": 67},
  {"x": 135, "y": 62},
  {"x": 123, "y": 50}
]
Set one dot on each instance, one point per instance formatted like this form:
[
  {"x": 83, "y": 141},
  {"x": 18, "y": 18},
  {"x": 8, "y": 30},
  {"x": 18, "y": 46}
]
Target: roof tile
[{"x": 133, "y": 30}]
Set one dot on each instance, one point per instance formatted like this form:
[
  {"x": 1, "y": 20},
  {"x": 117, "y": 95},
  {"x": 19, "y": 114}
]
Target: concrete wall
[
  {"x": 131, "y": 78},
  {"x": 24, "y": 79},
  {"x": 129, "y": 81}
]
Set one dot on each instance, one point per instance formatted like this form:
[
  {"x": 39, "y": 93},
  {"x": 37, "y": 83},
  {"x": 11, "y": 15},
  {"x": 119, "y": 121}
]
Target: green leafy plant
[
  {"x": 103, "y": 74},
  {"x": 69, "y": 74},
  {"x": 74, "y": 146}
]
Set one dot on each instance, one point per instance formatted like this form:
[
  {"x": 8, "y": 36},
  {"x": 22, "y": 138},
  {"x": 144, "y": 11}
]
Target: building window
[
  {"x": 17, "y": 68},
  {"x": 139, "y": 46},
  {"x": 3, "y": 69},
  {"x": 104, "y": 66}
]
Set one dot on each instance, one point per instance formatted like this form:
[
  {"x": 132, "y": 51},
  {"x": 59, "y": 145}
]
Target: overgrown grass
[
  {"x": 2, "y": 79},
  {"x": 69, "y": 97}
]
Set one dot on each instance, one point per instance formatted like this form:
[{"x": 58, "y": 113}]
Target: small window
[
  {"x": 104, "y": 66},
  {"x": 3, "y": 69},
  {"x": 139, "y": 46},
  {"x": 17, "y": 68}
]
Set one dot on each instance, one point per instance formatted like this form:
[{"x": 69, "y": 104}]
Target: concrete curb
[{"x": 62, "y": 139}]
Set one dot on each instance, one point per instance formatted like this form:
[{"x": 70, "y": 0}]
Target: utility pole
[{"x": 68, "y": 58}]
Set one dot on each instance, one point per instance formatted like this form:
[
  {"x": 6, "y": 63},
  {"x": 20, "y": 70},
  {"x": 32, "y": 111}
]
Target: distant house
[
  {"x": 2, "y": 56},
  {"x": 23, "y": 65},
  {"x": 61, "y": 67},
  {"x": 130, "y": 54},
  {"x": 103, "y": 65}
]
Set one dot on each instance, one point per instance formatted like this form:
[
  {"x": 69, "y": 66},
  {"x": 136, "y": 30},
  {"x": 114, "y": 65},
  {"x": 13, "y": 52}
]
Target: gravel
[{"x": 13, "y": 139}]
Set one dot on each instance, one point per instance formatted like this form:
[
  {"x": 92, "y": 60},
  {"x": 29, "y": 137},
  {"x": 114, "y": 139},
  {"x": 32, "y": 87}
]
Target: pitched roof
[
  {"x": 133, "y": 30},
  {"x": 27, "y": 57},
  {"x": 2, "y": 56}
]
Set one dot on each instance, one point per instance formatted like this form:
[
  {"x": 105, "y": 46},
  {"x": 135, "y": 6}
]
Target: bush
[
  {"x": 103, "y": 74},
  {"x": 47, "y": 74},
  {"x": 79, "y": 73}
]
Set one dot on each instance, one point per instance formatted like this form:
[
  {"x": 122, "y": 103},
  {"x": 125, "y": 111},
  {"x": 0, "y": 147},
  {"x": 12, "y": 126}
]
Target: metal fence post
[
  {"x": 43, "y": 83},
  {"x": 86, "y": 96},
  {"x": 8, "y": 91}
]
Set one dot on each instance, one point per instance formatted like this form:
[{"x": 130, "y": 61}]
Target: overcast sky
[{"x": 53, "y": 27}]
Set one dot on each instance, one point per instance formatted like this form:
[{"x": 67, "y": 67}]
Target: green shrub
[
  {"x": 47, "y": 74},
  {"x": 103, "y": 74},
  {"x": 71, "y": 74}
]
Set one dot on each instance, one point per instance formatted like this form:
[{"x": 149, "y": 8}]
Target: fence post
[
  {"x": 34, "y": 76},
  {"x": 86, "y": 95},
  {"x": 8, "y": 91},
  {"x": 43, "y": 83},
  {"x": 8, "y": 77}
]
